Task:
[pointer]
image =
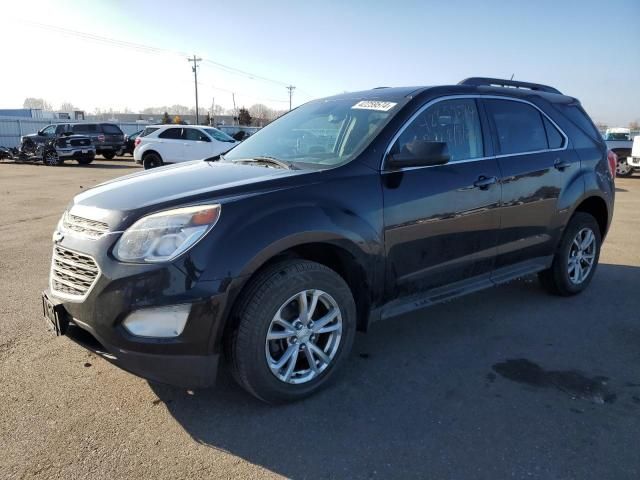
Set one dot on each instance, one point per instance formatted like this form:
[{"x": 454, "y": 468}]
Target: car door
[
  {"x": 196, "y": 144},
  {"x": 536, "y": 167},
  {"x": 441, "y": 222},
  {"x": 46, "y": 133},
  {"x": 171, "y": 145}
]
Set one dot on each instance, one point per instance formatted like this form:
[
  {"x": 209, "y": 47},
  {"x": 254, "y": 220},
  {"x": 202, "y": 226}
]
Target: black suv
[
  {"x": 106, "y": 137},
  {"x": 345, "y": 211}
]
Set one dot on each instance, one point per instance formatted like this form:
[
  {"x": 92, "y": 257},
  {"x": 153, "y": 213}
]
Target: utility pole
[
  {"x": 291, "y": 88},
  {"x": 235, "y": 111},
  {"x": 195, "y": 61}
]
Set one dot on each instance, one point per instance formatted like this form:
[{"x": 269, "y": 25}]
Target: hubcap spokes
[
  {"x": 582, "y": 256},
  {"x": 303, "y": 337},
  {"x": 622, "y": 167},
  {"x": 51, "y": 158}
]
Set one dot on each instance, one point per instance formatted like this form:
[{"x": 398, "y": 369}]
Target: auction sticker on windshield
[{"x": 374, "y": 105}]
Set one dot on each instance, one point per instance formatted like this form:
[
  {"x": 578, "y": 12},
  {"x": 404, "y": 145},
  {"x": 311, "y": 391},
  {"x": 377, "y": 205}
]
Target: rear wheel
[
  {"x": 296, "y": 325},
  {"x": 51, "y": 158},
  {"x": 576, "y": 259},
  {"x": 109, "y": 155},
  {"x": 85, "y": 160},
  {"x": 623, "y": 169},
  {"x": 151, "y": 160}
]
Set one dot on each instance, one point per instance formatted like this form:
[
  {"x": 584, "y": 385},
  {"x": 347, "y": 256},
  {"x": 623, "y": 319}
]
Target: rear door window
[
  {"x": 85, "y": 128},
  {"x": 171, "y": 134},
  {"x": 454, "y": 122},
  {"x": 518, "y": 125}
]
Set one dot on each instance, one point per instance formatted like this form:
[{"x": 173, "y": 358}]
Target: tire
[
  {"x": 623, "y": 169},
  {"x": 85, "y": 161},
  {"x": 277, "y": 290},
  {"x": 151, "y": 160},
  {"x": 51, "y": 159},
  {"x": 109, "y": 155},
  {"x": 561, "y": 278}
]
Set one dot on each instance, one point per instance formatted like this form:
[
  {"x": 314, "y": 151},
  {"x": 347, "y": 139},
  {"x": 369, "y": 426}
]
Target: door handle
[
  {"x": 483, "y": 183},
  {"x": 561, "y": 164}
]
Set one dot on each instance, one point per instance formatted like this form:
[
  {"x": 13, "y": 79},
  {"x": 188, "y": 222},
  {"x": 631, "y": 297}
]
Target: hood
[{"x": 191, "y": 181}]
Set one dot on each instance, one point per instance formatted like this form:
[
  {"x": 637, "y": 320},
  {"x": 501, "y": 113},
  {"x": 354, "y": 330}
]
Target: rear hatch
[{"x": 112, "y": 135}]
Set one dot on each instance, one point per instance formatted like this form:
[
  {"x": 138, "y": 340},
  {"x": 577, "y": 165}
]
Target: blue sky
[{"x": 587, "y": 49}]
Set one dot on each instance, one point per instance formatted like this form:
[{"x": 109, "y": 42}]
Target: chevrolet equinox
[{"x": 344, "y": 211}]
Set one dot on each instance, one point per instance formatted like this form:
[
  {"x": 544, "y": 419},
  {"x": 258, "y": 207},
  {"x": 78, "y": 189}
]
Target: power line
[{"x": 148, "y": 49}]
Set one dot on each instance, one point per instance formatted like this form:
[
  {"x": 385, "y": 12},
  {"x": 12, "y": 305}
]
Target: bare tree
[
  {"x": 67, "y": 107},
  {"x": 41, "y": 103}
]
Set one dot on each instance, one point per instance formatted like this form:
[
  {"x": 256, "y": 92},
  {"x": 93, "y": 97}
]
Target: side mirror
[
  {"x": 41, "y": 132},
  {"x": 420, "y": 153}
]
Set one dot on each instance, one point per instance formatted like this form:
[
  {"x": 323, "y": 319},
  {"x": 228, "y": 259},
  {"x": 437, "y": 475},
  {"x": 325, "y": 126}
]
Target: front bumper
[
  {"x": 76, "y": 153},
  {"x": 96, "y": 322}
]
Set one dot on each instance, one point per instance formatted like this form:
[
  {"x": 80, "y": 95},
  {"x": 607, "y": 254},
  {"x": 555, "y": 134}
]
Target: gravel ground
[{"x": 506, "y": 383}]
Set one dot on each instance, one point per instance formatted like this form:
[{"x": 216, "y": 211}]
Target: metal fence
[{"x": 12, "y": 128}]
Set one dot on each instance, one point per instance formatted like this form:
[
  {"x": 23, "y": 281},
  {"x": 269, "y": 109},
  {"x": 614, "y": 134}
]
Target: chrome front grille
[
  {"x": 85, "y": 226},
  {"x": 72, "y": 274},
  {"x": 84, "y": 142}
]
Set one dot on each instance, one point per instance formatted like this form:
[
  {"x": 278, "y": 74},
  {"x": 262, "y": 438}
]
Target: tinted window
[
  {"x": 60, "y": 129},
  {"x": 195, "y": 135},
  {"x": 172, "y": 133},
  {"x": 554, "y": 137},
  {"x": 111, "y": 129},
  {"x": 452, "y": 121},
  {"x": 148, "y": 131},
  {"x": 578, "y": 116},
  {"x": 50, "y": 130},
  {"x": 84, "y": 128},
  {"x": 518, "y": 126}
]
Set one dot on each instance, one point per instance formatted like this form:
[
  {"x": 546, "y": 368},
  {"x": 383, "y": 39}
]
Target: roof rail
[{"x": 499, "y": 82}]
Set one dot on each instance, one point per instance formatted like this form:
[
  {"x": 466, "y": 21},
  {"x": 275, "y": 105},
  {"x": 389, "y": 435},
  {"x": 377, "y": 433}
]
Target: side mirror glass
[{"x": 420, "y": 153}]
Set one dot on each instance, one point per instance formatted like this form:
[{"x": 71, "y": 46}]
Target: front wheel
[
  {"x": 109, "y": 155},
  {"x": 296, "y": 325},
  {"x": 576, "y": 259},
  {"x": 85, "y": 160},
  {"x": 623, "y": 169},
  {"x": 51, "y": 158}
]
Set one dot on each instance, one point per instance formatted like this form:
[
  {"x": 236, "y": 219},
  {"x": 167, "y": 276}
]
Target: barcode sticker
[{"x": 374, "y": 105}]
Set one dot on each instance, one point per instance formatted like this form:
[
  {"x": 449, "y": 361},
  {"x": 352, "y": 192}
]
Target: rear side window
[
  {"x": 111, "y": 129},
  {"x": 554, "y": 137},
  {"x": 85, "y": 128},
  {"x": 454, "y": 122},
  {"x": 579, "y": 117},
  {"x": 518, "y": 125},
  {"x": 171, "y": 133},
  {"x": 148, "y": 131}
]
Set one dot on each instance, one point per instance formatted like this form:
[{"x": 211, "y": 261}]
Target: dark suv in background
[
  {"x": 107, "y": 138},
  {"x": 344, "y": 211}
]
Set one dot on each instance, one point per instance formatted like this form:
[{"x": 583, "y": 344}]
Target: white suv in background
[{"x": 160, "y": 144}]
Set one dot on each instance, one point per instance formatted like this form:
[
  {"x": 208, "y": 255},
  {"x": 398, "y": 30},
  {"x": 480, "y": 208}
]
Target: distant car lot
[{"x": 507, "y": 383}]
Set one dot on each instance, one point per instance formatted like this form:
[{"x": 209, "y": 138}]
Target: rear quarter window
[
  {"x": 577, "y": 116},
  {"x": 148, "y": 131}
]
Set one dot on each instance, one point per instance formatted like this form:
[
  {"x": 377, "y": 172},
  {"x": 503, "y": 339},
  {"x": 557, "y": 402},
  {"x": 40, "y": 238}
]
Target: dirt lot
[{"x": 506, "y": 383}]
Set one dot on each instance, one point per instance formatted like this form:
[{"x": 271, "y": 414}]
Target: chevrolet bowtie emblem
[{"x": 57, "y": 236}]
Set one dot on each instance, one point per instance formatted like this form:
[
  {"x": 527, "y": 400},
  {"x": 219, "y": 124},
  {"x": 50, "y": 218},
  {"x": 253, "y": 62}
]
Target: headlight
[{"x": 163, "y": 236}]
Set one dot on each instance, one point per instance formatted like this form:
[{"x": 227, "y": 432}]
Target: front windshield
[
  {"x": 617, "y": 136},
  {"x": 324, "y": 132}
]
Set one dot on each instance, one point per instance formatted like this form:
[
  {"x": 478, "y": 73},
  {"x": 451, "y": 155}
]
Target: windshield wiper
[{"x": 269, "y": 160}]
